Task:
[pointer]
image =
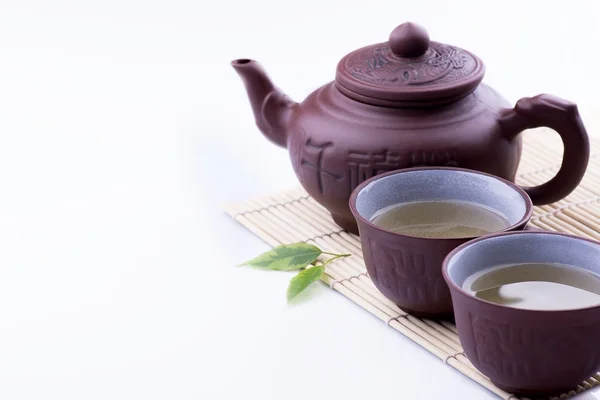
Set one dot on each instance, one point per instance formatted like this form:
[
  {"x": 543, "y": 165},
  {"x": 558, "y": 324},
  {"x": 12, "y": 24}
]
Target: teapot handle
[{"x": 563, "y": 117}]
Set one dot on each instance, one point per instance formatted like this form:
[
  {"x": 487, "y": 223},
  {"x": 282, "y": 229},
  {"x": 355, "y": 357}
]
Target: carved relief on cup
[
  {"x": 404, "y": 273},
  {"x": 499, "y": 347}
]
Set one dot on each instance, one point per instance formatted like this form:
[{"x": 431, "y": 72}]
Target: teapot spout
[{"x": 271, "y": 107}]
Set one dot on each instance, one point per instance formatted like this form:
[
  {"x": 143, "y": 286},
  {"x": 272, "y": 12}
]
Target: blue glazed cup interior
[
  {"x": 443, "y": 184},
  {"x": 521, "y": 247}
]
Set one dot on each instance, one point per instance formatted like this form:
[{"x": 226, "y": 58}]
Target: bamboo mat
[{"x": 293, "y": 216}]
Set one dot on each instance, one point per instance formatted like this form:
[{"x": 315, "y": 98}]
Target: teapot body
[
  {"x": 335, "y": 142},
  {"x": 404, "y": 103}
]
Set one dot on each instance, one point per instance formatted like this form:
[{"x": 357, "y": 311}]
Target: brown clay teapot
[{"x": 404, "y": 103}]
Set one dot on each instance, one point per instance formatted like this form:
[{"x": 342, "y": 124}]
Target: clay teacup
[
  {"x": 530, "y": 352},
  {"x": 408, "y": 269}
]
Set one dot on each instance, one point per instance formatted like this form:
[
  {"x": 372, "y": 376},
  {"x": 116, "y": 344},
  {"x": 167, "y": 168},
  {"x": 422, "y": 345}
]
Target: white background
[{"x": 122, "y": 131}]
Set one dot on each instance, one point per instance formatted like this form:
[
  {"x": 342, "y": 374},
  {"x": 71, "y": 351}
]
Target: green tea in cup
[
  {"x": 440, "y": 219},
  {"x": 536, "y": 286}
]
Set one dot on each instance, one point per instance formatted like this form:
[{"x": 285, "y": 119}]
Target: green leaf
[
  {"x": 303, "y": 280},
  {"x": 286, "y": 257}
]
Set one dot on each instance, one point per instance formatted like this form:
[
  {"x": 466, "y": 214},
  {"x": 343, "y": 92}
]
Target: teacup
[
  {"x": 523, "y": 351},
  {"x": 408, "y": 269}
]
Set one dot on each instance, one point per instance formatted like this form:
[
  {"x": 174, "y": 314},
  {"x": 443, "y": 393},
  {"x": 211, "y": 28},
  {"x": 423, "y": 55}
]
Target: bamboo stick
[
  {"x": 586, "y": 385},
  {"x": 588, "y": 224},
  {"x": 320, "y": 211},
  {"x": 258, "y": 218},
  {"x": 450, "y": 326},
  {"x": 545, "y": 154},
  {"x": 299, "y": 208},
  {"x": 358, "y": 300},
  {"x": 592, "y": 208},
  {"x": 363, "y": 294},
  {"x": 335, "y": 233},
  {"x": 255, "y": 228},
  {"x": 528, "y": 165},
  {"x": 352, "y": 263},
  {"x": 588, "y": 186},
  {"x": 540, "y": 164},
  {"x": 456, "y": 347},
  {"x": 583, "y": 216},
  {"x": 572, "y": 217},
  {"x": 448, "y": 351},
  {"x": 481, "y": 380},
  {"x": 591, "y": 184},
  {"x": 418, "y": 339},
  {"x": 540, "y": 224},
  {"x": 349, "y": 239},
  {"x": 288, "y": 233},
  {"x": 301, "y": 204},
  {"x": 352, "y": 240},
  {"x": 442, "y": 329},
  {"x": 531, "y": 143},
  {"x": 592, "y": 382},
  {"x": 534, "y": 181},
  {"x": 299, "y": 223},
  {"x": 563, "y": 221}
]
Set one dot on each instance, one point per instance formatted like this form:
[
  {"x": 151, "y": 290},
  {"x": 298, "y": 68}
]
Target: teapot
[{"x": 405, "y": 103}]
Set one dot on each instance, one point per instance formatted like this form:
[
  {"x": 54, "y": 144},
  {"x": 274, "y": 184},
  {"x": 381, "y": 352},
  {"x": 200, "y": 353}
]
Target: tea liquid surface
[
  {"x": 440, "y": 219},
  {"x": 536, "y": 286}
]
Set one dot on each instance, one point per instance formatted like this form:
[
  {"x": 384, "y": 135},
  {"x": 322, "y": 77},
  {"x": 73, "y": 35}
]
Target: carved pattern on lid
[
  {"x": 442, "y": 63},
  {"x": 409, "y": 70}
]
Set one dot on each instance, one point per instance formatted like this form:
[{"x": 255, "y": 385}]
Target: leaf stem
[{"x": 335, "y": 256}]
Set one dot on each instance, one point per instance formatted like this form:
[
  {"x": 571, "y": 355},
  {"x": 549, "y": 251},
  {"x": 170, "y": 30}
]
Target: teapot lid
[{"x": 409, "y": 70}]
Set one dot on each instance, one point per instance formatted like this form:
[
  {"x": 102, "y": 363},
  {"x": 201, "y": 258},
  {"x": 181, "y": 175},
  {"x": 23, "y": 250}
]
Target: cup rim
[
  {"x": 458, "y": 249},
  {"x": 523, "y": 221}
]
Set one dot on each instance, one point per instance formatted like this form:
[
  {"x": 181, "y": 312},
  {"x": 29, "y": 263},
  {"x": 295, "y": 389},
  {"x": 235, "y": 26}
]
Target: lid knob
[{"x": 409, "y": 40}]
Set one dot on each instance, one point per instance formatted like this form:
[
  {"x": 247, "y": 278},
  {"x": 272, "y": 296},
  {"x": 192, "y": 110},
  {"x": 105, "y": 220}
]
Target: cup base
[
  {"x": 446, "y": 316},
  {"x": 346, "y": 223},
  {"x": 532, "y": 393}
]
